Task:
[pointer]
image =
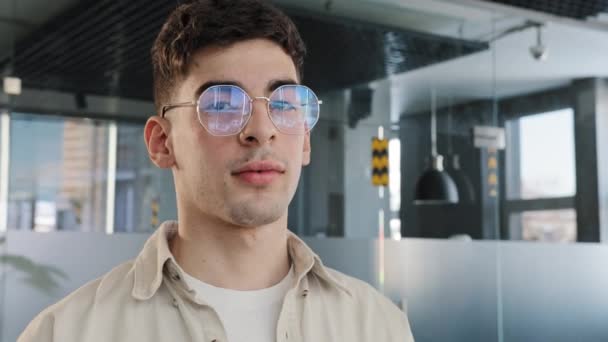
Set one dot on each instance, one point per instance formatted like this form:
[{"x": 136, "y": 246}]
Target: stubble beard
[{"x": 254, "y": 213}]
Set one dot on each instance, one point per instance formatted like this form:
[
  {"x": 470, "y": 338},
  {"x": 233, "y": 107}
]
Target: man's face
[{"x": 213, "y": 174}]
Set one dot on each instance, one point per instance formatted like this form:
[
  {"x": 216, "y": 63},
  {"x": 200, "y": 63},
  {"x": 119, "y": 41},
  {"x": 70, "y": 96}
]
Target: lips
[
  {"x": 259, "y": 173},
  {"x": 261, "y": 166}
]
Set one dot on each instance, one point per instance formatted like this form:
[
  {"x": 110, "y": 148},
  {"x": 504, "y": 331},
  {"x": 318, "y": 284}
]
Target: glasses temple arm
[{"x": 168, "y": 107}]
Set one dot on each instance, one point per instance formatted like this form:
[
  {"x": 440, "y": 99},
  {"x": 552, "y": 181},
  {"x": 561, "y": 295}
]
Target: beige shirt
[{"x": 148, "y": 300}]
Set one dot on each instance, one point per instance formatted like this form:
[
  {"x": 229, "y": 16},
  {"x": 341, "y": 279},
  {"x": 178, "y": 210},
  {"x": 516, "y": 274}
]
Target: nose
[{"x": 259, "y": 129}]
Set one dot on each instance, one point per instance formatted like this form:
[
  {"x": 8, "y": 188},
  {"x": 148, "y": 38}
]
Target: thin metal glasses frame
[{"x": 168, "y": 107}]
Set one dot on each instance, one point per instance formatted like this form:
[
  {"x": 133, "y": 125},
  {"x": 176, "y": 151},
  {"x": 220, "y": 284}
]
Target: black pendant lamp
[
  {"x": 435, "y": 186},
  {"x": 466, "y": 192}
]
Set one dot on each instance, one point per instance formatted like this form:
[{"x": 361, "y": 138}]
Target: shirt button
[
  {"x": 304, "y": 293},
  {"x": 175, "y": 302}
]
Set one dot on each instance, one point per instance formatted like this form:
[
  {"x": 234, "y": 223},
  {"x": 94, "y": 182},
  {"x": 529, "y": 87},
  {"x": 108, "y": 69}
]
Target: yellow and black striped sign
[{"x": 379, "y": 162}]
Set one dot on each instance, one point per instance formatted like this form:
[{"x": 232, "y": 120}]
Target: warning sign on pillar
[{"x": 379, "y": 162}]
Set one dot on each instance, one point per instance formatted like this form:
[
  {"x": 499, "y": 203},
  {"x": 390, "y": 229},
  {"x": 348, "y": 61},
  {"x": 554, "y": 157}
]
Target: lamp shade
[
  {"x": 466, "y": 192},
  {"x": 435, "y": 186}
]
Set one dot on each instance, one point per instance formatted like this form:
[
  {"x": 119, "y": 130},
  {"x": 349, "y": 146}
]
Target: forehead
[{"x": 253, "y": 64}]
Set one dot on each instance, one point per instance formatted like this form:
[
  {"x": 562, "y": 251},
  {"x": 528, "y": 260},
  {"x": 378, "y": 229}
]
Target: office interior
[{"x": 483, "y": 212}]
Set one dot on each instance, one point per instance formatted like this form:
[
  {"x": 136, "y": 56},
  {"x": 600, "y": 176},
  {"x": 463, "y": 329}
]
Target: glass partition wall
[
  {"x": 476, "y": 89},
  {"x": 503, "y": 108}
]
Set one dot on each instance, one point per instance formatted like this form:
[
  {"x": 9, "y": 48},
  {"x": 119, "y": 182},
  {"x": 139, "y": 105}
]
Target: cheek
[
  {"x": 296, "y": 157},
  {"x": 305, "y": 158},
  {"x": 185, "y": 136},
  {"x": 189, "y": 149},
  {"x": 212, "y": 153}
]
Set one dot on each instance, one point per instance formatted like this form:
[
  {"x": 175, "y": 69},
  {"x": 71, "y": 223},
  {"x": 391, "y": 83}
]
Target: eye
[
  {"x": 282, "y": 105},
  {"x": 219, "y": 106}
]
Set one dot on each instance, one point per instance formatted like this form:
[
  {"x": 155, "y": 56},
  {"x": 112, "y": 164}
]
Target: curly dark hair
[{"x": 202, "y": 23}]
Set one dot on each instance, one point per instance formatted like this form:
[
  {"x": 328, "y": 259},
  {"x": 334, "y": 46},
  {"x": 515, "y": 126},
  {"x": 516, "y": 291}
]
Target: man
[{"x": 233, "y": 125}]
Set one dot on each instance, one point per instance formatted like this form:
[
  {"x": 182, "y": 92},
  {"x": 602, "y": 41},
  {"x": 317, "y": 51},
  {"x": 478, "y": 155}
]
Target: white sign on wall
[{"x": 489, "y": 137}]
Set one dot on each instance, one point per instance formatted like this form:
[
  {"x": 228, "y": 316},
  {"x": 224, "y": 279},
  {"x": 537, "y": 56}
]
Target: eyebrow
[{"x": 272, "y": 85}]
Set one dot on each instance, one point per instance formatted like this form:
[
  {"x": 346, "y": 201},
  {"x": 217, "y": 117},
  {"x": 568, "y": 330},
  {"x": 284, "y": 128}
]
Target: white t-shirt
[{"x": 247, "y": 316}]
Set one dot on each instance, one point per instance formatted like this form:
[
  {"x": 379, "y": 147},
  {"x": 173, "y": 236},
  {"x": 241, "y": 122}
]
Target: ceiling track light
[{"x": 539, "y": 51}]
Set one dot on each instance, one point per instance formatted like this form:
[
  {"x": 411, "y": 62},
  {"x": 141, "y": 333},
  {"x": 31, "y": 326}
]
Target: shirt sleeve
[
  {"x": 39, "y": 330},
  {"x": 392, "y": 318},
  {"x": 399, "y": 324}
]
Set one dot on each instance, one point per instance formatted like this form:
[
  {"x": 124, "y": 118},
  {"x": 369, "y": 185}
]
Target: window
[
  {"x": 545, "y": 155},
  {"x": 547, "y": 225},
  {"x": 541, "y": 177},
  {"x": 58, "y": 176},
  {"x": 57, "y": 173}
]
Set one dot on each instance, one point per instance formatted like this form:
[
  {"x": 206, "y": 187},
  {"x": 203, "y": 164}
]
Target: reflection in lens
[
  {"x": 294, "y": 109},
  {"x": 223, "y": 109}
]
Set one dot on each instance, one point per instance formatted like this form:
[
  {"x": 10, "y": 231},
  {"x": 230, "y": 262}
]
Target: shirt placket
[
  {"x": 198, "y": 314},
  {"x": 288, "y": 327}
]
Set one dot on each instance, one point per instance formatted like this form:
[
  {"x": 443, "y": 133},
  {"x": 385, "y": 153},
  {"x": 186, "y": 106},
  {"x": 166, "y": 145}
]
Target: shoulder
[
  {"x": 116, "y": 283},
  {"x": 374, "y": 305},
  {"x": 76, "y": 308},
  {"x": 361, "y": 291}
]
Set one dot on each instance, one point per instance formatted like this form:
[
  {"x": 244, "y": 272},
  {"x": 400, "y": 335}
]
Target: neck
[{"x": 232, "y": 257}]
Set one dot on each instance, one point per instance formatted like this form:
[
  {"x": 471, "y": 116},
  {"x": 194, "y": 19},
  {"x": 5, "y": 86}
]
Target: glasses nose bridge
[
  {"x": 254, "y": 128},
  {"x": 267, "y": 99}
]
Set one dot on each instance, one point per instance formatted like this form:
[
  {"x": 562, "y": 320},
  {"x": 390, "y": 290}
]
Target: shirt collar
[{"x": 149, "y": 265}]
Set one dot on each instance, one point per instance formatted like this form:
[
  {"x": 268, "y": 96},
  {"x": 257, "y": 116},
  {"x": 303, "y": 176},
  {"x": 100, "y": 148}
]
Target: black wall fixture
[{"x": 103, "y": 47}]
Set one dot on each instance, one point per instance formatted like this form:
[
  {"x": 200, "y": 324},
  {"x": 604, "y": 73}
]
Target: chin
[{"x": 255, "y": 214}]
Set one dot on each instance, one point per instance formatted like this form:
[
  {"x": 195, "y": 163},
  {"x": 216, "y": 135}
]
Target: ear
[
  {"x": 306, "y": 150},
  {"x": 160, "y": 148}
]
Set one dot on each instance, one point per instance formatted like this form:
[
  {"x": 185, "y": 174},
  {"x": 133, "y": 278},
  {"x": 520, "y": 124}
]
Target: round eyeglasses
[{"x": 225, "y": 109}]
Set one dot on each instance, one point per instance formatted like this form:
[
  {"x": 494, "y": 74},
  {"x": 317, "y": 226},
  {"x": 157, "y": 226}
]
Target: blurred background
[{"x": 481, "y": 209}]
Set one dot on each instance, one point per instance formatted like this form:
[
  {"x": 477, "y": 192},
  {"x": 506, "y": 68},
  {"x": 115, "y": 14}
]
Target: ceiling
[
  {"x": 104, "y": 45},
  {"x": 573, "y": 53},
  {"x": 20, "y": 17}
]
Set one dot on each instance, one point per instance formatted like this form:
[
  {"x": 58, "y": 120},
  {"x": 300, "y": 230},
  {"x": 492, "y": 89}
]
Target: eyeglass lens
[{"x": 225, "y": 109}]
